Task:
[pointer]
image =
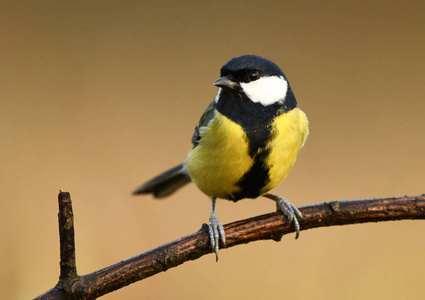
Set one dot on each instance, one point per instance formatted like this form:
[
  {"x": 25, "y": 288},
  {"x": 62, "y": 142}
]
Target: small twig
[
  {"x": 67, "y": 244},
  {"x": 68, "y": 269},
  {"x": 270, "y": 226}
]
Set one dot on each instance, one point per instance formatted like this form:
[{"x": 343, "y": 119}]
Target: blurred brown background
[{"x": 98, "y": 96}]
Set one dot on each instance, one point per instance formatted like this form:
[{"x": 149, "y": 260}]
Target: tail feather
[{"x": 165, "y": 183}]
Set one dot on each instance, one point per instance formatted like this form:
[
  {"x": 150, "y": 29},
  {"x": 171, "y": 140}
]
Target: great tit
[{"x": 245, "y": 143}]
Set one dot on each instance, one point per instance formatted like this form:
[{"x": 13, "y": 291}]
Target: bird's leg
[
  {"x": 216, "y": 230},
  {"x": 289, "y": 210}
]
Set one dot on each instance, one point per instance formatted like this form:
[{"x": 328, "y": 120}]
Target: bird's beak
[{"x": 225, "y": 82}]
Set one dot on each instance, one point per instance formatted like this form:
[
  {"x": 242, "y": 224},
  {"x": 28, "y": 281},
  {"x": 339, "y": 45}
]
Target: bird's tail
[{"x": 165, "y": 183}]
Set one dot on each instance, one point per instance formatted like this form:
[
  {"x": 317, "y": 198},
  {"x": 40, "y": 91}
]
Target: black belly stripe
[{"x": 255, "y": 179}]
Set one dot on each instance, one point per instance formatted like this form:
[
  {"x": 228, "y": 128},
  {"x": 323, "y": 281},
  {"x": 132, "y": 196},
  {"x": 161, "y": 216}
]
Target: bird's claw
[
  {"x": 290, "y": 211},
  {"x": 216, "y": 232}
]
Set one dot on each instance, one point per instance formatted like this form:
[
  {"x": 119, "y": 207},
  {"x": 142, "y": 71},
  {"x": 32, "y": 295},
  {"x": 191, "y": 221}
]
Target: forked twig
[{"x": 269, "y": 226}]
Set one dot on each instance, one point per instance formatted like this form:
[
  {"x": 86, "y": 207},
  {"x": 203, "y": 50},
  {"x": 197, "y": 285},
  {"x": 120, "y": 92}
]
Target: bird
[{"x": 245, "y": 143}]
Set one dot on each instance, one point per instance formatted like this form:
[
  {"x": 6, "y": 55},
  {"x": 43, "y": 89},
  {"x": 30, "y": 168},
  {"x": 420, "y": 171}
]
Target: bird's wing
[{"x": 204, "y": 121}]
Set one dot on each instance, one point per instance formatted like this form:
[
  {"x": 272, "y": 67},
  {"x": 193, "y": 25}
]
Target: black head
[
  {"x": 245, "y": 68},
  {"x": 255, "y": 77}
]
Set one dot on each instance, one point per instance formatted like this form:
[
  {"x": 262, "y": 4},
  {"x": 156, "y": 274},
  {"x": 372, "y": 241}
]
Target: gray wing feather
[
  {"x": 165, "y": 183},
  {"x": 204, "y": 121}
]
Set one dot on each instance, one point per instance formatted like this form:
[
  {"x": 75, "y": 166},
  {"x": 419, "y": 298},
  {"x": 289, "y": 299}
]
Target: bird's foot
[
  {"x": 290, "y": 211},
  {"x": 217, "y": 234}
]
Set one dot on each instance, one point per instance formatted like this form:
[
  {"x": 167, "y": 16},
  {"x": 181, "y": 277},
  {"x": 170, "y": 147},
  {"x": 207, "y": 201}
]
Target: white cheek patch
[
  {"x": 266, "y": 90},
  {"x": 218, "y": 95}
]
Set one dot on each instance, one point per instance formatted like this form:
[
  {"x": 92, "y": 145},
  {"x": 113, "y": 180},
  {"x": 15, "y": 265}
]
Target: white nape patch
[
  {"x": 266, "y": 90},
  {"x": 218, "y": 95}
]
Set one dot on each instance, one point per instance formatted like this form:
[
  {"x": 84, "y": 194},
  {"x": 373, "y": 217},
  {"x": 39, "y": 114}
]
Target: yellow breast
[
  {"x": 289, "y": 133},
  {"x": 220, "y": 159}
]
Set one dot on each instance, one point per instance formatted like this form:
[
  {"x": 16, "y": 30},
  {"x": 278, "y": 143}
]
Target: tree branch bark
[{"x": 269, "y": 226}]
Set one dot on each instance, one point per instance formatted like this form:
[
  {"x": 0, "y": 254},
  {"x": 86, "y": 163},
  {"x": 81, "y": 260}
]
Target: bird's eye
[{"x": 252, "y": 76}]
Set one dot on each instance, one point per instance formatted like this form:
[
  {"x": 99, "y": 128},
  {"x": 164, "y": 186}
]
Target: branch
[{"x": 264, "y": 227}]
